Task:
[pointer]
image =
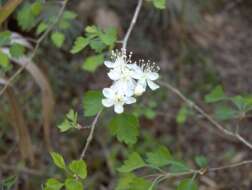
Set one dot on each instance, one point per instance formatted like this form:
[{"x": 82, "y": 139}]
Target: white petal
[
  {"x": 139, "y": 90},
  {"x": 152, "y": 85},
  {"x": 152, "y": 75},
  {"x": 130, "y": 100},
  {"x": 109, "y": 64},
  {"x": 108, "y": 92},
  {"x": 114, "y": 74},
  {"x": 107, "y": 102},
  {"x": 118, "y": 108}
]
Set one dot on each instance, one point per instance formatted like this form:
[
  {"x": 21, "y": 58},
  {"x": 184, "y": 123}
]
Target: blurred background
[{"x": 198, "y": 44}]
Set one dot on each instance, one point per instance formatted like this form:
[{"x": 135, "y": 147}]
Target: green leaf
[
  {"x": 182, "y": 115},
  {"x": 79, "y": 44},
  {"x": 132, "y": 163},
  {"x": 69, "y": 15},
  {"x": 58, "y": 160},
  {"x": 4, "y": 61},
  {"x": 5, "y": 38},
  {"x": 53, "y": 184},
  {"x": 178, "y": 166},
  {"x": 8, "y": 183},
  {"x": 73, "y": 184},
  {"x": 92, "y": 102},
  {"x": 125, "y": 181},
  {"x": 224, "y": 113},
  {"x": 109, "y": 37},
  {"x": 159, "y": 4},
  {"x": 131, "y": 182},
  {"x": 92, "y": 30},
  {"x": 26, "y": 16},
  {"x": 17, "y": 50},
  {"x": 58, "y": 39},
  {"x": 187, "y": 184},
  {"x": 69, "y": 122},
  {"x": 140, "y": 183},
  {"x": 79, "y": 168},
  {"x": 125, "y": 128},
  {"x": 201, "y": 161},
  {"x": 91, "y": 63},
  {"x": 239, "y": 102},
  {"x": 41, "y": 28},
  {"x": 36, "y": 8},
  {"x": 159, "y": 157},
  {"x": 97, "y": 45},
  {"x": 215, "y": 95}
]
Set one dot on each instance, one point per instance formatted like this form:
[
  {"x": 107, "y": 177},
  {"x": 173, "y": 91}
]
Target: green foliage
[
  {"x": 92, "y": 62},
  {"x": 79, "y": 168},
  {"x": 215, "y": 95},
  {"x": 92, "y": 103},
  {"x": 58, "y": 160},
  {"x": 17, "y": 50},
  {"x": 79, "y": 44},
  {"x": 159, "y": 4},
  {"x": 125, "y": 127},
  {"x": 73, "y": 184},
  {"x": 4, "y": 61},
  {"x": 41, "y": 27},
  {"x": 159, "y": 157},
  {"x": 201, "y": 161},
  {"x": 223, "y": 112},
  {"x": 8, "y": 183},
  {"x": 28, "y": 14},
  {"x": 67, "y": 17},
  {"x": 58, "y": 38},
  {"x": 147, "y": 111},
  {"x": 187, "y": 184},
  {"x": 53, "y": 184},
  {"x": 5, "y": 38},
  {"x": 182, "y": 115},
  {"x": 132, "y": 163},
  {"x": 131, "y": 182},
  {"x": 69, "y": 122}
]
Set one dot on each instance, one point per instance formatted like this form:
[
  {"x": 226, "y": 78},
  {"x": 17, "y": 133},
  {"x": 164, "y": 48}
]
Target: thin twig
[
  {"x": 206, "y": 115},
  {"x": 90, "y": 136},
  {"x": 39, "y": 41},
  {"x": 132, "y": 24}
]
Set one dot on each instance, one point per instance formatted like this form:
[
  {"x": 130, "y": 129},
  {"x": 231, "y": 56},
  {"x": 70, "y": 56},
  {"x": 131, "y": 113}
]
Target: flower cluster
[{"x": 130, "y": 79}]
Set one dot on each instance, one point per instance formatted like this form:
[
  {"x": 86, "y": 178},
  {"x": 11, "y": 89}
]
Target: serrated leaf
[
  {"x": 58, "y": 160},
  {"x": 159, "y": 157},
  {"x": 58, "y": 39},
  {"x": 92, "y": 102},
  {"x": 140, "y": 183},
  {"x": 159, "y": 4},
  {"x": 91, "y": 63},
  {"x": 215, "y": 95},
  {"x": 109, "y": 36},
  {"x": 97, "y": 45},
  {"x": 125, "y": 128},
  {"x": 92, "y": 29},
  {"x": 17, "y": 50},
  {"x": 125, "y": 181},
  {"x": 79, "y": 168},
  {"x": 8, "y": 183},
  {"x": 239, "y": 102},
  {"x": 69, "y": 122},
  {"x": 53, "y": 184},
  {"x": 201, "y": 161},
  {"x": 36, "y": 8},
  {"x": 79, "y": 44},
  {"x": 187, "y": 184},
  {"x": 5, "y": 38},
  {"x": 132, "y": 163},
  {"x": 73, "y": 184},
  {"x": 41, "y": 28}
]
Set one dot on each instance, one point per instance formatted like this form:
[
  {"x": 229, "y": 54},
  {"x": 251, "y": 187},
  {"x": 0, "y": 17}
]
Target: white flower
[
  {"x": 114, "y": 97},
  {"x": 145, "y": 75}
]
